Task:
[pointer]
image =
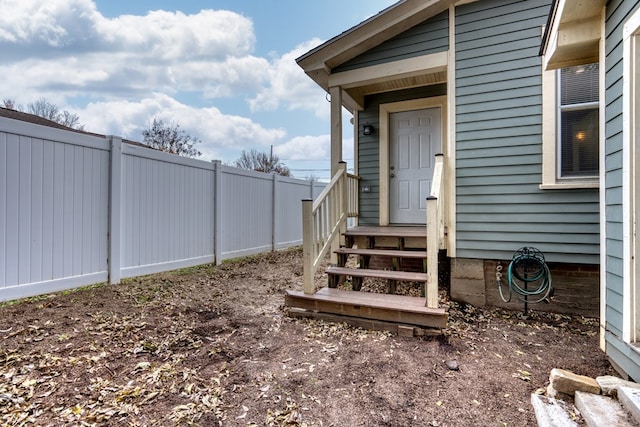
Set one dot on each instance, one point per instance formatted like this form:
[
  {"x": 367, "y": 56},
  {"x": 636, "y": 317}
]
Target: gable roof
[{"x": 388, "y": 23}]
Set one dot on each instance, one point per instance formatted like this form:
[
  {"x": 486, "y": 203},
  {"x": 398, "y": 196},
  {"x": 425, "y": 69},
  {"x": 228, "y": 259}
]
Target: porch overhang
[
  {"x": 572, "y": 35},
  {"x": 408, "y": 73},
  {"x": 319, "y": 62}
]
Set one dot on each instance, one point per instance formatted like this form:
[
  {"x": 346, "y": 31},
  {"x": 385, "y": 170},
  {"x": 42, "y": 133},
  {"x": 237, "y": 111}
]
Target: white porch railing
[
  {"x": 435, "y": 231},
  {"x": 353, "y": 186},
  {"x": 322, "y": 223}
]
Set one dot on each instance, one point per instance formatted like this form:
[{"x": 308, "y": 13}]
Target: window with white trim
[
  {"x": 570, "y": 128},
  {"x": 578, "y": 122}
]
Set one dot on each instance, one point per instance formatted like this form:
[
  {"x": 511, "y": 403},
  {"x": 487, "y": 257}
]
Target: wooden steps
[
  {"x": 398, "y": 309},
  {"x": 382, "y": 274},
  {"x": 397, "y": 254},
  {"x": 380, "y": 242},
  {"x": 391, "y": 253}
]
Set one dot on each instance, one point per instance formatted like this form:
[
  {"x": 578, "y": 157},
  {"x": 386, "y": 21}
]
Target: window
[
  {"x": 578, "y": 120},
  {"x": 570, "y": 127}
]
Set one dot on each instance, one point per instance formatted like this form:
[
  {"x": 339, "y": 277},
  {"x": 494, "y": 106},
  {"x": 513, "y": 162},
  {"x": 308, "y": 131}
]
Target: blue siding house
[
  {"x": 523, "y": 101},
  {"x": 608, "y": 34}
]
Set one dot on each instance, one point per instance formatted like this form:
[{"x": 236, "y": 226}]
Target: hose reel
[{"x": 528, "y": 277}]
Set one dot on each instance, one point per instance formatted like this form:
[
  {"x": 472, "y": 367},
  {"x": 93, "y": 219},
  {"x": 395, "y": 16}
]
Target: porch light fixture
[{"x": 367, "y": 130}]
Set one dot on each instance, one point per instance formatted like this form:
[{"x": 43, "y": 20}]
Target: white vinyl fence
[{"x": 77, "y": 209}]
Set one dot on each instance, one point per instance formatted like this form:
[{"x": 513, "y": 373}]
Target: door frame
[{"x": 398, "y": 107}]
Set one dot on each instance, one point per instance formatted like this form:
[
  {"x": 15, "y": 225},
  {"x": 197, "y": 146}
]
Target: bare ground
[{"x": 213, "y": 346}]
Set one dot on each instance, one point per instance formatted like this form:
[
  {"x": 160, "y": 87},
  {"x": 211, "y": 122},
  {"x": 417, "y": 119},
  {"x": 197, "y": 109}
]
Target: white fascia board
[{"x": 393, "y": 70}]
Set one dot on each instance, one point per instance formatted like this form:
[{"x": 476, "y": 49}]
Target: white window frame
[{"x": 551, "y": 144}]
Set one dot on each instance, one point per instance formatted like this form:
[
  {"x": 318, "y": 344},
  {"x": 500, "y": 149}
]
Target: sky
[{"x": 223, "y": 70}]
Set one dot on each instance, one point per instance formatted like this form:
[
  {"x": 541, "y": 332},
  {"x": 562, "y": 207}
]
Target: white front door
[{"x": 414, "y": 140}]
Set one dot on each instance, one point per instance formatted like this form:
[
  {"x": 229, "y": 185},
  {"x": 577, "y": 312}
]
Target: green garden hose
[{"x": 528, "y": 276}]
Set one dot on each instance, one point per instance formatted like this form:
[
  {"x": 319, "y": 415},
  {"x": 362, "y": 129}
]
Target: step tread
[
  {"x": 551, "y": 412},
  {"x": 629, "y": 397},
  {"x": 383, "y": 252},
  {"x": 388, "y": 231},
  {"x": 382, "y": 274}
]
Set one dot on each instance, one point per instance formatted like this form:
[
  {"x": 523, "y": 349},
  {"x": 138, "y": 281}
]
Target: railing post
[
  {"x": 308, "y": 242},
  {"x": 340, "y": 210},
  {"x": 432, "y": 252}
]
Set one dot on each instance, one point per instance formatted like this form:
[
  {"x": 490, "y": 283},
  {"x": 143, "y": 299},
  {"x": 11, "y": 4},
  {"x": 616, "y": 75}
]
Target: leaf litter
[{"x": 212, "y": 345}]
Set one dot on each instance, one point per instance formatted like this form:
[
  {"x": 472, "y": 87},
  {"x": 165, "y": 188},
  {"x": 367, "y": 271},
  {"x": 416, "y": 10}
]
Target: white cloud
[
  {"x": 305, "y": 148},
  {"x": 223, "y": 136},
  {"x": 313, "y": 148},
  {"x": 128, "y": 69},
  {"x": 289, "y": 85},
  {"x": 68, "y": 45}
]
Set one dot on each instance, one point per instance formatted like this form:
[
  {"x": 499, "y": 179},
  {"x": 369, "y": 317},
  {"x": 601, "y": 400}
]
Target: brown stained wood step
[
  {"x": 400, "y": 309},
  {"x": 382, "y": 274},
  {"x": 387, "y": 231},
  {"x": 383, "y": 252}
]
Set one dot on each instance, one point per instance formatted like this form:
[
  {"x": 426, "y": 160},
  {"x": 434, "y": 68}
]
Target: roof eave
[
  {"x": 318, "y": 62},
  {"x": 573, "y": 32}
]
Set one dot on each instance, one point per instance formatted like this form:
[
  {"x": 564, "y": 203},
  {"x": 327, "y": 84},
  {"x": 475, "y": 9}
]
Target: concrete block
[
  {"x": 551, "y": 412},
  {"x": 599, "y": 411},
  {"x": 568, "y": 383},
  {"x": 468, "y": 286},
  {"x": 405, "y": 331},
  {"x": 629, "y": 397},
  {"x": 609, "y": 384},
  {"x": 467, "y": 268},
  {"x": 467, "y": 291}
]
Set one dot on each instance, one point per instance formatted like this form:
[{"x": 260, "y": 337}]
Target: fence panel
[
  {"x": 246, "y": 212},
  {"x": 53, "y": 204},
  {"x": 167, "y": 211},
  {"x": 57, "y": 210},
  {"x": 288, "y": 224}
]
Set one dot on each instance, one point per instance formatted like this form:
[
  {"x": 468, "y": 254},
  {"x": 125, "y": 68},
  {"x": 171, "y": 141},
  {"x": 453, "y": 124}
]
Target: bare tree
[
  {"x": 262, "y": 162},
  {"x": 47, "y": 110},
  {"x": 11, "y": 104},
  {"x": 171, "y": 139}
]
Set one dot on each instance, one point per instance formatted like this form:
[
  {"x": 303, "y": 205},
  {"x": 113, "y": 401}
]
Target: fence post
[
  {"x": 274, "y": 207},
  {"x": 115, "y": 214},
  {"x": 217, "y": 212},
  {"x": 307, "y": 246}
]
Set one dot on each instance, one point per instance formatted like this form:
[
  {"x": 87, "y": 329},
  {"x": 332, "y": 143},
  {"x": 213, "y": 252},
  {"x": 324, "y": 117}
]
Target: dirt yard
[{"x": 213, "y": 346}]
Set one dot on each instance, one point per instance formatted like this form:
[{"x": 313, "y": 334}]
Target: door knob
[
  {"x": 393, "y": 167},
  {"x": 392, "y": 176}
]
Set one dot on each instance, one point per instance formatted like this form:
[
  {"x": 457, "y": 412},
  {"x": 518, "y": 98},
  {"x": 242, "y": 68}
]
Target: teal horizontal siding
[
  {"x": 500, "y": 206},
  {"x": 428, "y": 37},
  {"x": 618, "y": 11}
]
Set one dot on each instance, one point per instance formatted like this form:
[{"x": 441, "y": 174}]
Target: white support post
[
  {"x": 345, "y": 204},
  {"x": 432, "y": 252},
  {"x": 217, "y": 214},
  {"x": 336, "y": 128},
  {"x": 308, "y": 242},
  {"x": 115, "y": 214}
]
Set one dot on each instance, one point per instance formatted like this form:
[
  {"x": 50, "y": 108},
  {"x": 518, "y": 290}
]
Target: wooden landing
[{"x": 397, "y": 309}]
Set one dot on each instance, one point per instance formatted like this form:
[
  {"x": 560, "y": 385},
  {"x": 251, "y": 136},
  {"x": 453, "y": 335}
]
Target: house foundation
[{"x": 576, "y": 287}]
